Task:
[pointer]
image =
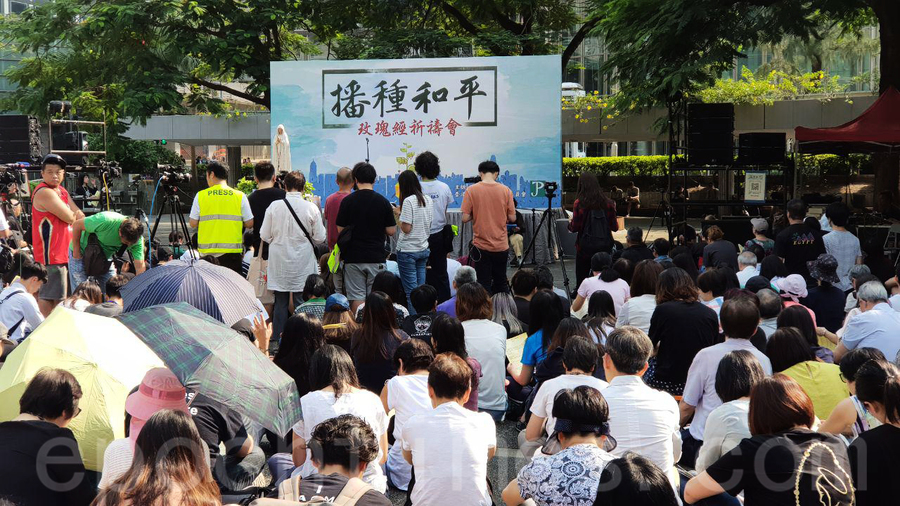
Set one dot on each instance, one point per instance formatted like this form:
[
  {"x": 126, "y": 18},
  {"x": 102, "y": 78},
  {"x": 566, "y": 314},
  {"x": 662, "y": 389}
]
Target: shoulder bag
[{"x": 320, "y": 248}]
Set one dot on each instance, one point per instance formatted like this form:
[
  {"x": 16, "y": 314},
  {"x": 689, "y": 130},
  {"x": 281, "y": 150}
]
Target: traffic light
[{"x": 163, "y": 142}]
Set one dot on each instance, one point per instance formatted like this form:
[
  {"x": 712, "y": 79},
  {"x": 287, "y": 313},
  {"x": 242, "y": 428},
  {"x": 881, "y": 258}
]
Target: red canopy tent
[{"x": 876, "y": 130}]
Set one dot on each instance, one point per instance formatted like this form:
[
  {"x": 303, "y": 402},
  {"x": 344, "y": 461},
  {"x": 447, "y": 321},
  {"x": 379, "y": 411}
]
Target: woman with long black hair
[
  {"x": 374, "y": 344},
  {"x": 594, "y": 220},
  {"x": 414, "y": 216},
  {"x": 547, "y": 312}
]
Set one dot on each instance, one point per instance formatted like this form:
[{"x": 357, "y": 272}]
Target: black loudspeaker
[
  {"x": 762, "y": 148},
  {"x": 20, "y": 139},
  {"x": 737, "y": 229},
  {"x": 711, "y": 134}
]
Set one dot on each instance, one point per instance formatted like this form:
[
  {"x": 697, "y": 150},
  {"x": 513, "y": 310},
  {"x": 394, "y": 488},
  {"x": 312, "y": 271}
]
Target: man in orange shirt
[{"x": 489, "y": 206}]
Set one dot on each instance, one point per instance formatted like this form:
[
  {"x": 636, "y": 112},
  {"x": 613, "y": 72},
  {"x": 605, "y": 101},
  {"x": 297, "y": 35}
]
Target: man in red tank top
[{"x": 52, "y": 212}]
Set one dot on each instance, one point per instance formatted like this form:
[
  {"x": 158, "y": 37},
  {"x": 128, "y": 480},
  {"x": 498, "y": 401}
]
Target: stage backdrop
[{"x": 464, "y": 110}]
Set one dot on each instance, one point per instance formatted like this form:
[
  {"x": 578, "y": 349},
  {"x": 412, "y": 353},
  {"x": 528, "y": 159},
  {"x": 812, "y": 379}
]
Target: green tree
[
  {"x": 664, "y": 50},
  {"x": 135, "y": 58},
  {"x": 434, "y": 28}
]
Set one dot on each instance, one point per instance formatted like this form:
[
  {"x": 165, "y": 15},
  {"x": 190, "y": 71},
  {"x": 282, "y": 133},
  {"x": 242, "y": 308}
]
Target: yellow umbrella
[{"x": 107, "y": 359}]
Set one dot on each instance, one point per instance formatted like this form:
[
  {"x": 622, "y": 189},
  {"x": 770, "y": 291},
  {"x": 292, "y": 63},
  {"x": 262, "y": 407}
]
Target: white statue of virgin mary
[{"x": 281, "y": 151}]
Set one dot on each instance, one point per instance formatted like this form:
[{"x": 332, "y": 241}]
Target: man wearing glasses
[{"x": 52, "y": 212}]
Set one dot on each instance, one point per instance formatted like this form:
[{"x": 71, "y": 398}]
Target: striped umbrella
[
  {"x": 217, "y": 291},
  {"x": 211, "y": 359}
]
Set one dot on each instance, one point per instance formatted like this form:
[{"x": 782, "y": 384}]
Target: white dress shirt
[
  {"x": 700, "y": 388},
  {"x": 637, "y": 312},
  {"x": 291, "y": 256},
  {"x": 726, "y": 426},
  {"x": 449, "y": 447},
  {"x": 17, "y": 305},
  {"x": 747, "y": 273},
  {"x": 644, "y": 421},
  {"x": 878, "y": 328}
]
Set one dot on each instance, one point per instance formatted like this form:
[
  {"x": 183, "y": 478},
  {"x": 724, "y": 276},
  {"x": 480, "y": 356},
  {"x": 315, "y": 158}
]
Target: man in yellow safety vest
[{"x": 220, "y": 214}]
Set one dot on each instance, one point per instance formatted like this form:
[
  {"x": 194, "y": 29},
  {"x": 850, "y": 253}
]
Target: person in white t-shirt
[
  {"x": 580, "y": 358},
  {"x": 439, "y": 242},
  {"x": 604, "y": 278},
  {"x": 336, "y": 391},
  {"x": 414, "y": 216},
  {"x": 486, "y": 343},
  {"x": 407, "y": 395},
  {"x": 450, "y": 446}
]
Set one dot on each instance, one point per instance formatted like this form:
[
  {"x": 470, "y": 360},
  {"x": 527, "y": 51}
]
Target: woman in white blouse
[
  {"x": 638, "y": 310},
  {"x": 336, "y": 392},
  {"x": 407, "y": 395},
  {"x": 727, "y": 425},
  {"x": 291, "y": 255}
]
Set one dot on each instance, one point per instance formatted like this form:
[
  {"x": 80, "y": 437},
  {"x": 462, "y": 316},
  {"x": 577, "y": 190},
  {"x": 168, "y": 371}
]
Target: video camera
[
  {"x": 550, "y": 188},
  {"x": 172, "y": 175},
  {"x": 109, "y": 170},
  {"x": 472, "y": 180},
  {"x": 12, "y": 173}
]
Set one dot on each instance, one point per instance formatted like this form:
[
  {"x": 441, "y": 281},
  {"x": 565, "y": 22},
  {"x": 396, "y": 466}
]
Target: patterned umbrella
[
  {"x": 214, "y": 360},
  {"x": 215, "y": 290}
]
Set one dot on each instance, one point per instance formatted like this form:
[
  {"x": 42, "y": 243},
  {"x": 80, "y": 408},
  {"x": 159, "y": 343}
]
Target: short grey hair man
[
  {"x": 628, "y": 349},
  {"x": 464, "y": 275},
  {"x": 747, "y": 259},
  {"x": 870, "y": 294},
  {"x": 858, "y": 271}
]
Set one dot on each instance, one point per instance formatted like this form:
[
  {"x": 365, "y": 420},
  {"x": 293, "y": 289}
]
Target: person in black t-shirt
[
  {"x": 524, "y": 286},
  {"x": 784, "y": 463},
  {"x": 798, "y": 243},
  {"x": 424, "y": 301},
  {"x": 216, "y": 423},
  {"x": 635, "y": 249},
  {"x": 342, "y": 448},
  {"x": 260, "y": 199},
  {"x": 372, "y": 219},
  {"x": 875, "y": 454}
]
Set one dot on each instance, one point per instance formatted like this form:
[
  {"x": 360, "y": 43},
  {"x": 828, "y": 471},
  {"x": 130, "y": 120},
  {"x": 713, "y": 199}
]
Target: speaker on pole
[
  {"x": 20, "y": 139},
  {"x": 711, "y": 134},
  {"x": 762, "y": 148}
]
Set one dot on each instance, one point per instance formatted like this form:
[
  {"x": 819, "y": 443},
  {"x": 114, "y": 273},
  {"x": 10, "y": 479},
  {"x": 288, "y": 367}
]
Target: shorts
[
  {"x": 358, "y": 279},
  {"x": 57, "y": 285}
]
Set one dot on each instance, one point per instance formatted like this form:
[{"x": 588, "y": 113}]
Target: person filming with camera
[{"x": 489, "y": 206}]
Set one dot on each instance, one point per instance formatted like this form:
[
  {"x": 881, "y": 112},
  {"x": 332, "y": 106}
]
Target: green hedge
[
  {"x": 832, "y": 165},
  {"x": 640, "y": 166},
  {"x": 617, "y": 166}
]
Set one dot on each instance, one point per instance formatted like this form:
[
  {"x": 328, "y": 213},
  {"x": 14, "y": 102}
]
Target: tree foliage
[
  {"x": 768, "y": 87},
  {"x": 134, "y": 58},
  {"x": 662, "y": 51}
]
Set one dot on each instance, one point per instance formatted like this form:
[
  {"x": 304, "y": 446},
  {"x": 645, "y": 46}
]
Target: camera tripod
[
  {"x": 176, "y": 217},
  {"x": 547, "y": 219}
]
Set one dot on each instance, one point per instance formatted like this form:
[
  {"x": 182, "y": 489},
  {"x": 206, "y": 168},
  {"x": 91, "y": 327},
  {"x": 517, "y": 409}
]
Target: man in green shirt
[{"x": 114, "y": 231}]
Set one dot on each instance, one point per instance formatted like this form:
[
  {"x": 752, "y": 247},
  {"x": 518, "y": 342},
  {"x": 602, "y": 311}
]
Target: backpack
[
  {"x": 596, "y": 236},
  {"x": 289, "y": 492}
]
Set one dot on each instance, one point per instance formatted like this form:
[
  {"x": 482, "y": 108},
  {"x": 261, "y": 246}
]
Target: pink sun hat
[{"x": 160, "y": 389}]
